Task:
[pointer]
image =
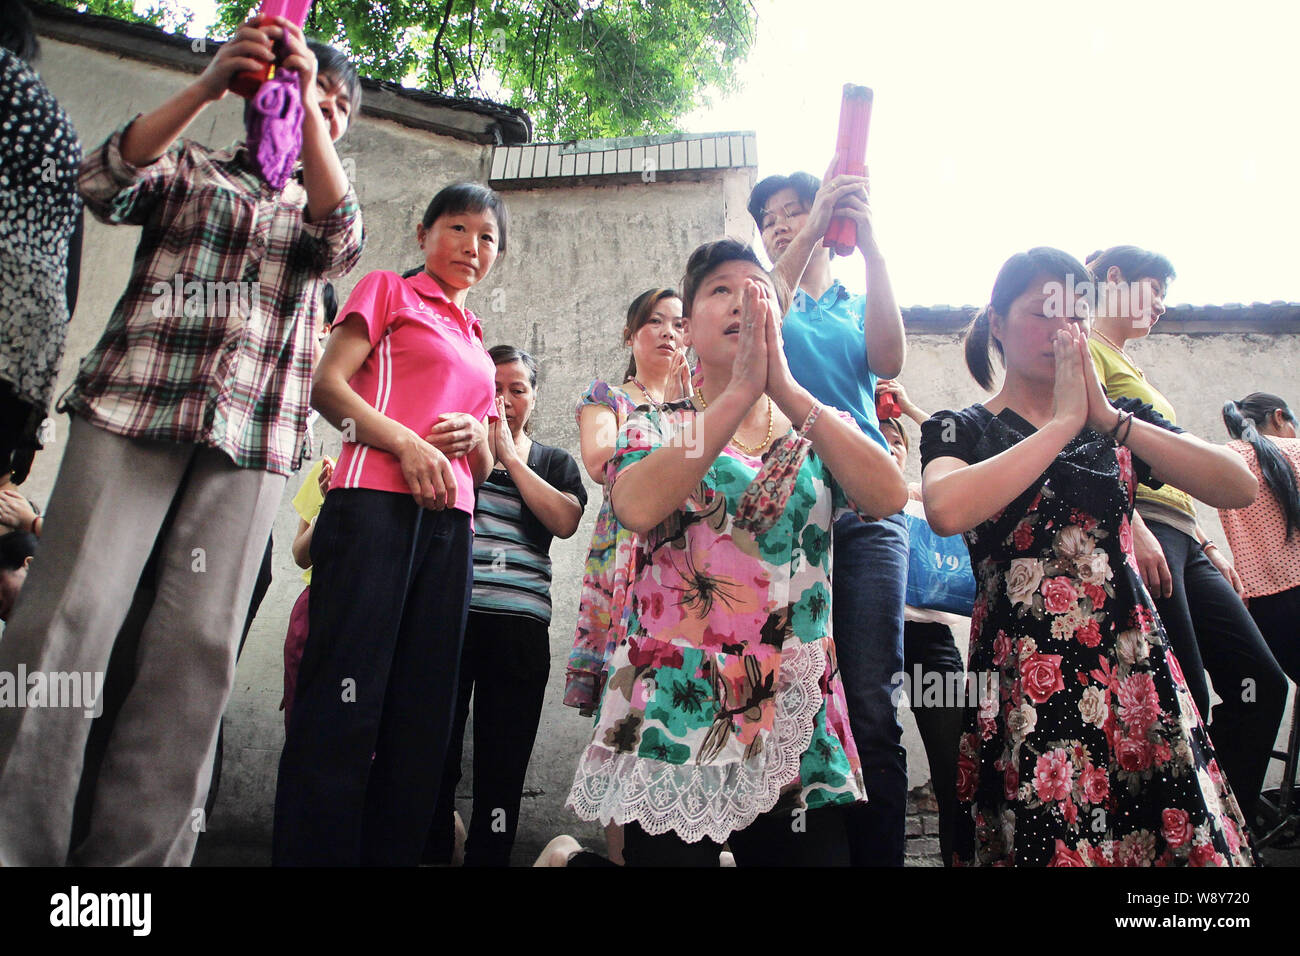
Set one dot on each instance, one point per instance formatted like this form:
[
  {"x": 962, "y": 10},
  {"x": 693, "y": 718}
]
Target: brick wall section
[{"x": 922, "y": 848}]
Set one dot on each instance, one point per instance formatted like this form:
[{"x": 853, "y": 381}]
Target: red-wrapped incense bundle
[{"x": 851, "y": 147}]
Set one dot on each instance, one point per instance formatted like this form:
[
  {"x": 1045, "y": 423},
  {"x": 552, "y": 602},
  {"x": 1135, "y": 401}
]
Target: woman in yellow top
[{"x": 1197, "y": 591}]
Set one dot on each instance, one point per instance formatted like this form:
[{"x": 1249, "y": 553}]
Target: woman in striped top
[{"x": 533, "y": 495}]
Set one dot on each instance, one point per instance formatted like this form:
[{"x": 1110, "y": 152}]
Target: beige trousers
[{"x": 106, "y": 510}]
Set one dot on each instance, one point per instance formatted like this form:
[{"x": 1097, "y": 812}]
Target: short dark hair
[
  {"x": 1134, "y": 264},
  {"x": 330, "y": 60},
  {"x": 804, "y": 185},
  {"x": 15, "y": 548},
  {"x": 1013, "y": 279},
  {"x": 17, "y": 31},
  {"x": 898, "y": 427},
  {"x": 505, "y": 354},
  {"x": 710, "y": 256},
  {"x": 469, "y": 197}
]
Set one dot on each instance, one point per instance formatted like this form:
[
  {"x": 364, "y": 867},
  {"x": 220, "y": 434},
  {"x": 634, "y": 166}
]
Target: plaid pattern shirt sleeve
[{"x": 212, "y": 340}]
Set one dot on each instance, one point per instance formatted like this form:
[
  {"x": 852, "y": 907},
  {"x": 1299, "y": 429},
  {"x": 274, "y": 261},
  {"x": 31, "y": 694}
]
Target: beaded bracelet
[
  {"x": 1125, "y": 418},
  {"x": 813, "y": 412}
]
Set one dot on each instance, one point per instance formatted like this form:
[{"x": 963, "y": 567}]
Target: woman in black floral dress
[{"x": 1081, "y": 744}]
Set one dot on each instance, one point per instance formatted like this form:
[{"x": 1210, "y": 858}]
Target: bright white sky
[{"x": 1170, "y": 124}]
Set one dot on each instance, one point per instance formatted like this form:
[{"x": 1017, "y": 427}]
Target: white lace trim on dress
[{"x": 707, "y": 800}]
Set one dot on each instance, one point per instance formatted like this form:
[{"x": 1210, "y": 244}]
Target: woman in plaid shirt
[{"x": 196, "y": 392}]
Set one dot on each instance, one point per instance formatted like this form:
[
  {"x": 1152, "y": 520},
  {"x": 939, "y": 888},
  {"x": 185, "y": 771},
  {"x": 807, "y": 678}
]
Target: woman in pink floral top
[
  {"x": 1082, "y": 745},
  {"x": 723, "y": 713}
]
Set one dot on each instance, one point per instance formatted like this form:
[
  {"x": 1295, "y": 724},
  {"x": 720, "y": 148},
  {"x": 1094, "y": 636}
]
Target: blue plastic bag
[{"x": 939, "y": 575}]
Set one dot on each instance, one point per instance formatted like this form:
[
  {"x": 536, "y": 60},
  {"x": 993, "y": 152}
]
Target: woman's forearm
[
  {"x": 959, "y": 496},
  {"x": 356, "y": 418},
  {"x": 322, "y": 173},
  {"x": 152, "y": 133},
  {"x": 1211, "y": 473},
  {"x": 657, "y": 485},
  {"x": 552, "y": 507},
  {"x": 866, "y": 472},
  {"x": 883, "y": 335}
]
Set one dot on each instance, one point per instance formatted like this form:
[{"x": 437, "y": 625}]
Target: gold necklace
[
  {"x": 1105, "y": 338},
  {"x": 735, "y": 440}
]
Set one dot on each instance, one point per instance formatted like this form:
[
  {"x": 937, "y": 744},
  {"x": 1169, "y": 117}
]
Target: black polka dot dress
[{"x": 40, "y": 158}]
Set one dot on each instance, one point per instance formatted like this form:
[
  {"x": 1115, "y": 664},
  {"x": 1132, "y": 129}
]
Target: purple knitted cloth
[{"x": 275, "y": 128}]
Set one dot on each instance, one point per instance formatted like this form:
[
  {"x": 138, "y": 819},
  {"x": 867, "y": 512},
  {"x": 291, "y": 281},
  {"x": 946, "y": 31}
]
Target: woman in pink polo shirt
[{"x": 407, "y": 380}]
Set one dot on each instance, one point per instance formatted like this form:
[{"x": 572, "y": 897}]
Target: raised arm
[
  {"x": 882, "y": 323},
  {"x": 867, "y": 473},
  {"x": 650, "y": 490},
  {"x": 790, "y": 266},
  {"x": 958, "y": 496},
  {"x": 150, "y": 135},
  {"x": 322, "y": 173}
]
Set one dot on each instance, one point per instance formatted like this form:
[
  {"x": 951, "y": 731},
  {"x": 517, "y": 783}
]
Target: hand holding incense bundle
[
  {"x": 246, "y": 83},
  {"x": 851, "y": 148}
]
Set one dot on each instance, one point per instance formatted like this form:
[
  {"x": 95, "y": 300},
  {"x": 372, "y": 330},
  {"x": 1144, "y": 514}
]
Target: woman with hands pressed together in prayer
[
  {"x": 723, "y": 711},
  {"x": 1085, "y": 748},
  {"x": 533, "y": 495},
  {"x": 407, "y": 379}
]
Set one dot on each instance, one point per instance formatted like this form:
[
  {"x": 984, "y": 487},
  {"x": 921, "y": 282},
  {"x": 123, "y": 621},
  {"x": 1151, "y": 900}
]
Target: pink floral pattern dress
[
  {"x": 1082, "y": 746},
  {"x": 604, "y": 578},
  {"x": 724, "y": 699}
]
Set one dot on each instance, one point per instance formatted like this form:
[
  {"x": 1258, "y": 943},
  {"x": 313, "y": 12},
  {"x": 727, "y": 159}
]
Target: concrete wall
[{"x": 576, "y": 257}]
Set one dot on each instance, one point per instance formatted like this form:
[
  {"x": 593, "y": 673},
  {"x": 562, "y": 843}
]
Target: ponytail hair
[
  {"x": 1243, "y": 419},
  {"x": 980, "y": 346},
  {"x": 1040, "y": 264}
]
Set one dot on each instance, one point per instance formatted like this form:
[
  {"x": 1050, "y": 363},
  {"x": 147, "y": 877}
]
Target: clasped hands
[
  {"x": 760, "y": 367},
  {"x": 1078, "y": 399},
  {"x": 426, "y": 462}
]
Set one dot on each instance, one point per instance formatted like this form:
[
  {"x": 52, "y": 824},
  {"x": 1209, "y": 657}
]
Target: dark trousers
[
  {"x": 779, "y": 838},
  {"x": 1210, "y": 629},
  {"x": 504, "y": 665},
  {"x": 372, "y": 715},
  {"x": 1278, "y": 619},
  {"x": 930, "y": 646},
  {"x": 869, "y": 577}
]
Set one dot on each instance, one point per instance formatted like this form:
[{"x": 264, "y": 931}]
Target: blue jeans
[{"x": 868, "y": 581}]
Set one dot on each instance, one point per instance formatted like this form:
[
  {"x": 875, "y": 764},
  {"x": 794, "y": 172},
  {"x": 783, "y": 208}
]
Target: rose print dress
[
  {"x": 1082, "y": 746},
  {"x": 724, "y": 699},
  {"x": 604, "y": 579}
]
